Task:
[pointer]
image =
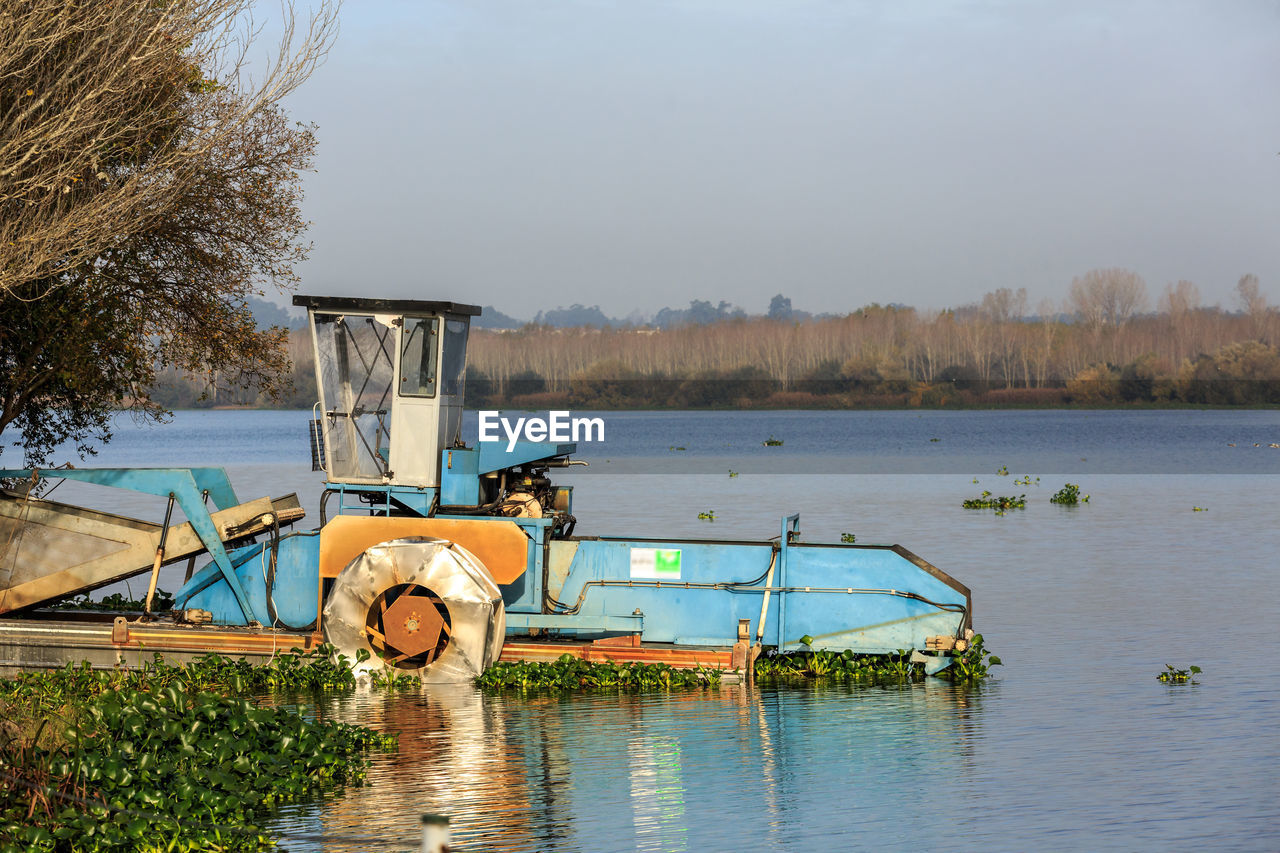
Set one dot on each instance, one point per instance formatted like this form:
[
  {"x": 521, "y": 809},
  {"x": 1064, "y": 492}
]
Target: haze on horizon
[{"x": 639, "y": 155}]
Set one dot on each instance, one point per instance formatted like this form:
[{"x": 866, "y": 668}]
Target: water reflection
[{"x": 682, "y": 771}]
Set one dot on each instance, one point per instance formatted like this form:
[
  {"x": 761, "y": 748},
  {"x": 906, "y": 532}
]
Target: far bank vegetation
[{"x": 1102, "y": 347}]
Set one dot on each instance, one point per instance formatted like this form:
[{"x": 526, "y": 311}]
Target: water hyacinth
[
  {"x": 989, "y": 501},
  {"x": 1069, "y": 495},
  {"x": 971, "y": 666},
  {"x": 168, "y": 757},
  {"x": 1179, "y": 676},
  {"x": 571, "y": 673}
]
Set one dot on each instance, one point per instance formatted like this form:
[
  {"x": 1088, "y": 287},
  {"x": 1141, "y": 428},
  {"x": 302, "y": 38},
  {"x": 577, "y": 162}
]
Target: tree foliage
[{"x": 148, "y": 189}]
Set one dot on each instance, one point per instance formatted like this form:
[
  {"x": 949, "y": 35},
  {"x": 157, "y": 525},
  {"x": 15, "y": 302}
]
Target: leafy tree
[
  {"x": 825, "y": 378},
  {"x": 605, "y": 384},
  {"x": 147, "y": 193},
  {"x": 1242, "y": 373},
  {"x": 575, "y": 315},
  {"x": 780, "y": 308},
  {"x": 1096, "y": 384},
  {"x": 1138, "y": 378},
  {"x": 699, "y": 313}
]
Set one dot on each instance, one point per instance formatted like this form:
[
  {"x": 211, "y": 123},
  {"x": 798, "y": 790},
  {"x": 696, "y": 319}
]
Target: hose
[{"x": 270, "y": 580}]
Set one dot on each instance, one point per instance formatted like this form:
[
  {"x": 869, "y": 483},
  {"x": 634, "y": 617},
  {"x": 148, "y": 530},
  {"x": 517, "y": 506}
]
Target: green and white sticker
[{"x": 661, "y": 564}]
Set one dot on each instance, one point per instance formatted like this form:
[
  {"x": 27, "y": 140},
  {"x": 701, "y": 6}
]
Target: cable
[
  {"x": 324, "y": 499},
  {"x": 269, "y": 578},
  {"x": 269, "y": 568},
  {"x": 262, "y": 563}
]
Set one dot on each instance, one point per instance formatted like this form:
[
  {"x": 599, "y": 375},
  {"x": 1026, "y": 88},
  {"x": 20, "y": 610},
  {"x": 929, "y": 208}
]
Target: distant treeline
[{"x": 1097, "y": 350}]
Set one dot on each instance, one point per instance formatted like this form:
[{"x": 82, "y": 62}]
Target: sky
[{"x": 637, "y": 155}]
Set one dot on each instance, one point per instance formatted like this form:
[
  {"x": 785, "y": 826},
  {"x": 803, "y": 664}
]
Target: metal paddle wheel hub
[{"x": 408, "y": 626}]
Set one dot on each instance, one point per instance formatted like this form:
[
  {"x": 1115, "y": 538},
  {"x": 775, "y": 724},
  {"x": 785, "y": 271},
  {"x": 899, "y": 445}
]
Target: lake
[{"x": 1074, "y": 745}]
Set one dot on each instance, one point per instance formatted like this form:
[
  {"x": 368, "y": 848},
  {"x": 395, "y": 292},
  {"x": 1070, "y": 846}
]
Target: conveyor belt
[{"x": 51, "y": 550}]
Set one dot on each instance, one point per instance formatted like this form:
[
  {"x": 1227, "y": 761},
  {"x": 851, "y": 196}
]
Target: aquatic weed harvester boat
[{"x": 435, "y": 557}]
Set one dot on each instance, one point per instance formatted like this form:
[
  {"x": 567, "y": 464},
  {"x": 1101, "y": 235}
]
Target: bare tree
[
  {"x": 1254, "y": 304},
  {"x": 1108, "y": 296},
  {"x": 110, "y": 109},
  {"x": 1042, "y": 340},
  {"x": 150, "y": 185},
  {"x": 1180, "y": 298},
  {"x": 1002, "y": 307},
  {"x": 1250, "y": 295}
]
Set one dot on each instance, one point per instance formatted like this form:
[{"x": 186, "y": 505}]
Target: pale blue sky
[{"x": 641, "y": 154}]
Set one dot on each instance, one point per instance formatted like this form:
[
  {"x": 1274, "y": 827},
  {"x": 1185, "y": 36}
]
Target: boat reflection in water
[{"x": 723, "y": 768}]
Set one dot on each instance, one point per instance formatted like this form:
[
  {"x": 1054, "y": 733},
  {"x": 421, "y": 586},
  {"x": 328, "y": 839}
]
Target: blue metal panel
[
  {"x": 673, "y": 613},
  {"x": 296, "y": 592},
  {"x": 459, "y": 477},
  {"x": 863, "y": 598},
  {"x": 494, "y": 455},
  {"x": 215, "y": 482},
  {"x": 853, "y": 600},
  {"x": 524, "y": 594}
]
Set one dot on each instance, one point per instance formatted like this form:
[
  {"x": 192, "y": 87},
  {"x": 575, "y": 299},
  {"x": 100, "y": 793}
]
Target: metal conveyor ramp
[{"x": 50, "y": 550}]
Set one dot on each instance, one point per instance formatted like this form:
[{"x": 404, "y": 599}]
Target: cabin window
[
  {"x": 453, "y": 371},
  {"x": 356, "y": 377},
  {"x": 419, "y": 343}
]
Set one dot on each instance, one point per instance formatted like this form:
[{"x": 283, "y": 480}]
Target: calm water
[{"x": 1074, "y": 745}]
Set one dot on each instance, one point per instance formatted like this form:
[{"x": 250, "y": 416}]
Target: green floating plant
[
  {"x": 570, "y": 673},
  {"x": 170, "y": 757},
  {"x": 968, "y": 667},
  {"x": 973, "y": 664},
  {"x": 1179, "y": 676},
  {"x": 997, "y": 502},
  {"x": 1069, "y": 495}
]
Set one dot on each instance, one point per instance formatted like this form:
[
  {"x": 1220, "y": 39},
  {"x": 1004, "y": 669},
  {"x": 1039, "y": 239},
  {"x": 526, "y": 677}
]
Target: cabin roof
[{"x": 357, "y": 304}]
